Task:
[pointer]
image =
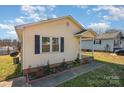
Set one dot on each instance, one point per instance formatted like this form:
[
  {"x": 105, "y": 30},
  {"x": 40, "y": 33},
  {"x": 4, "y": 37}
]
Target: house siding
[
  {"x": 52, "y": 29},
  {"x": 122, "y": 42},
  {"x": 87, "y": 44}
]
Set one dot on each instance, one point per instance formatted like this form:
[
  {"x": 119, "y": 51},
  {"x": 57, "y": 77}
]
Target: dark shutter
[
  {"x": 94, "y": 42},
  {"x": 62, "y": 44},
  {"x": 37, "y": 44},
  {"x": 100, "y": 41}
]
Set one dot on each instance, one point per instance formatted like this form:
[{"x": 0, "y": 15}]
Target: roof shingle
[{"x": 108, "y": 35}]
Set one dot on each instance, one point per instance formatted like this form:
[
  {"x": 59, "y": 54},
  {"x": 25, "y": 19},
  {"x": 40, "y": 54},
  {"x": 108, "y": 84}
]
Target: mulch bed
[{"x": 39, "y": 72}]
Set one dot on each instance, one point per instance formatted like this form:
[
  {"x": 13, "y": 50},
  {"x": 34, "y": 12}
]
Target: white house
[
  {"x": 108, "y": 41},
  {"x": 6, "y": 50},
  {"x": 122, "y": 42},
  {"x": 52, "y": 41}
]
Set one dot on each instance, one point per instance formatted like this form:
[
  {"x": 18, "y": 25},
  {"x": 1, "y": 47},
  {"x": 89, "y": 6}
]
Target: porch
[{"x": 86, "y": 34}]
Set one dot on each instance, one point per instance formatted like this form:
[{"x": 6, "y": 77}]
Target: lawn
[
  {"x": 112, "y": 74},
  {"x": 8, "y": 69}
]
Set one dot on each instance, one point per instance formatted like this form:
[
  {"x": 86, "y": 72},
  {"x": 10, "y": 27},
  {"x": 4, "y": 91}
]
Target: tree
[{"x": 112, "y": 30}]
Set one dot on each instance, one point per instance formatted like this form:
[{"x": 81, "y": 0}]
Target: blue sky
[{"x": 99, "y": 18}]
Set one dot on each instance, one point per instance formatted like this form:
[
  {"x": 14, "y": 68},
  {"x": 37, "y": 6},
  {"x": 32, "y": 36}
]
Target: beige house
[{"x": 52, "y": 41}]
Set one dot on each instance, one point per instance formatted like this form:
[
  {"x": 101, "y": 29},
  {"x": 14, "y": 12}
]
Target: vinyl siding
[
  {"x": 54, "y": 29},
  {"x": 88, "y": 44}
]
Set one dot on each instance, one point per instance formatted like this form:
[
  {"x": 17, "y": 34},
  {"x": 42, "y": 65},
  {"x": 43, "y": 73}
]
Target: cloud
[
  {"x": 51, "y": 7},
  {"x": 6, "y": 27},
  {"x": 114, "y": 12},
  {"x": 19, "y": 21},
  {"x": 12, "y": 33},
  {"x": 34, "y": 13},
  {"x": 9, "y": 29},
  {"x": 81, "y": 6},
  {"x": 37, "y": 13},
  {"x": 88, "y": 12},
  {"x": 99, "y": 27},
  {"x": 54, "y": 16},
  {"x": 29, "y": 14}
]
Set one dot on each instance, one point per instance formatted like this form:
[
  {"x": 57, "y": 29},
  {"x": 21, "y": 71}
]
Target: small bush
[
  {"x": 47, "y": 69},
  {"x": 77, "y": 60},
  {"x": 63, "y": 66}
]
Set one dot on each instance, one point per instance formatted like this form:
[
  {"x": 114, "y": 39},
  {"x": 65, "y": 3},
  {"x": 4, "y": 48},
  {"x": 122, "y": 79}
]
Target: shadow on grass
[
  {"x": 16, "y": 82},
  {"x": 17, "y": 72}
]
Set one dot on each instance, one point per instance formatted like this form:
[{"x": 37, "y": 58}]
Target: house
[
  {"x": 122, "y": 41},
  {"x": 52, "y": 41},
  {"x": 108, "y": 41},
  {"x": 5, "y": 50}
]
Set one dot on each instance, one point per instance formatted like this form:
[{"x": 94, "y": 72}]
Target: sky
[{"x": 99, "y": 18}]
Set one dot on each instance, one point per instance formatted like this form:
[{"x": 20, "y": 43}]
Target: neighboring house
[
  {"x": 108, "y": 41},
  {"x": 122, "y": 42},
  {"x": 87, "y": 39},
  {"x": 6, "y": 50},
  {"x": 52, "y": 41}
]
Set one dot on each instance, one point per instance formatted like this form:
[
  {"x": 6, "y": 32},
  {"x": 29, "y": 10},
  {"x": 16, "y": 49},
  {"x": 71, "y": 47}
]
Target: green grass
[
  {"x": 106, "y": 57},
  {"x": 8, "y": 69},
  {"x": 112, "y": 74}
]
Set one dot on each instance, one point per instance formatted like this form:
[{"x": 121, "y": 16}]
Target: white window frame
[
  {"x": 58, "y": 43},
  {"x": 50, "y": 44},
  {"x": 42, "y": 44}
]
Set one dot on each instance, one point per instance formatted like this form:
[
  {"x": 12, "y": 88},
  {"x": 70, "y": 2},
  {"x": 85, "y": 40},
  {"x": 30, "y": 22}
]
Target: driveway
[{"x": 54, "y": 79}]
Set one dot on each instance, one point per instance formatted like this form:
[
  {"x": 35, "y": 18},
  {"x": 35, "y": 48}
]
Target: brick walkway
[{"x": 55, "y": 80}]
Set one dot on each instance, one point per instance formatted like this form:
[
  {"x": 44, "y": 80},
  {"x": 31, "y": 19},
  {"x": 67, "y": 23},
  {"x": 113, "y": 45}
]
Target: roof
[
  {"x": 86, "y": 33},
  {"x": 81, "y": 31},
  {"x": 19, "y": 28},
  {"x": 108, "y": 35},
  {"x": 49, "y": 20}
]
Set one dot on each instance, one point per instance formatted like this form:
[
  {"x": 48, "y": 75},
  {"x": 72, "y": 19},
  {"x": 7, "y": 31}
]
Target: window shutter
[
  {"x": 37, "y": 44},
  {"x": 94, "y": 41},
  {"x": 100, "y": 41},
  {"x": 62, "y": 44}
]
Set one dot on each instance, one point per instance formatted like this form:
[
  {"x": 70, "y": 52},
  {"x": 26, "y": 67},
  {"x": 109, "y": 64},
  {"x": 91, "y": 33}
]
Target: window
[
  {"x": 45, "y": 44},
  {"x": 55, "y": 44},
  {"x": 115, "y": 42},
  {"x": 97, "y": 42}
]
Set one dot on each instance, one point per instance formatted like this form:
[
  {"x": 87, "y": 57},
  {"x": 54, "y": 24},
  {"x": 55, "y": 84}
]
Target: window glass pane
[
  {"x": 45, "y": 40},
  {"x": 55, "y": 44},
  {"x": 45, "y": 44},
  {"x": 116, "y": 42},
  {"x": 97, "y": 41}
]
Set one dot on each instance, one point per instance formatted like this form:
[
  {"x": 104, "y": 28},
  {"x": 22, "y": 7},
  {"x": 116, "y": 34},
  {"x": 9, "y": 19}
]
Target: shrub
[
  {"x": 47, "y": 69},
  {"x": 18, "y": 69},
  {"x": 63, "y": 66}
]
